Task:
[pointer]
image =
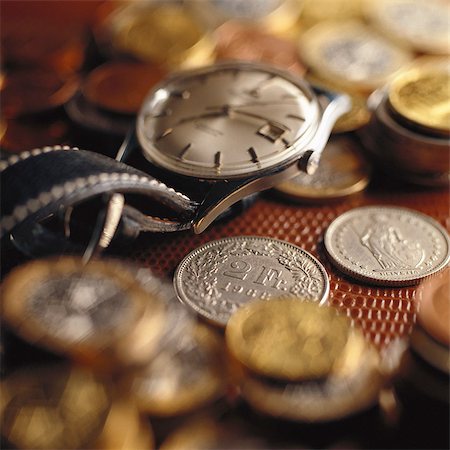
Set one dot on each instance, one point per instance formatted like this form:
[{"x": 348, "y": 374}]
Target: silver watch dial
[{"x": 228, "y": 120}]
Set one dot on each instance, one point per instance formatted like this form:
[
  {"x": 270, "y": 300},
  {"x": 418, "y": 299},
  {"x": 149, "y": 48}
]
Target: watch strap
[{"x": 41, "y": 182}]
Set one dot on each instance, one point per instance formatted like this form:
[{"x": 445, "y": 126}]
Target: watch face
[{"x": 228, "y": 120}]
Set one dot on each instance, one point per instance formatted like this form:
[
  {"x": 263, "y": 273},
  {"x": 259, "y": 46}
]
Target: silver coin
[
  {"x": 387, "y": 245},
  {"x": 220, "y": 276}
]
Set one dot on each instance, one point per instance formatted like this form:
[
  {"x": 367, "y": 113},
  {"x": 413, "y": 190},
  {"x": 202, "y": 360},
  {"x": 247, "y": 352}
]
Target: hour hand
[{"x": 217, "y": 112}]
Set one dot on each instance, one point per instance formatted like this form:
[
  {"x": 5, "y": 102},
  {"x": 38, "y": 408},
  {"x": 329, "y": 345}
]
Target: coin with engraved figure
[
  {"x": 220, "y": 276},
  {"x": 342, "y": 172},
  {"x": 386, "y": 245}
]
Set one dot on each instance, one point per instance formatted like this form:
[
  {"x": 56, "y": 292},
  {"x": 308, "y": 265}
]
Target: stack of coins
[
  {"x": 422, "y": 382},
  {"x": 410, "y": 128},
  {"x": 301, "y": 361}
]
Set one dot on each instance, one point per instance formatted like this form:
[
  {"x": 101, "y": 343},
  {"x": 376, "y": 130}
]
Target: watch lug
[
  {"x": 335, "y": 105},
  {"x": 221, "y": 196}
]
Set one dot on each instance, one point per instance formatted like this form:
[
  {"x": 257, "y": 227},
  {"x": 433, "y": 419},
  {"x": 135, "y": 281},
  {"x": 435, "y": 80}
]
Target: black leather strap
[{"x": 37, "y": 184}]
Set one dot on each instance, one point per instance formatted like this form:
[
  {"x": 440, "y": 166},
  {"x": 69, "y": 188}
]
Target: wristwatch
[{"x": 214, "y": 135}]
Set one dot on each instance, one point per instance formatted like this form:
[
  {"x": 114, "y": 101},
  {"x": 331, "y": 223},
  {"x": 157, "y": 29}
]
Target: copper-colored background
[{"x": 383, "y": 313}]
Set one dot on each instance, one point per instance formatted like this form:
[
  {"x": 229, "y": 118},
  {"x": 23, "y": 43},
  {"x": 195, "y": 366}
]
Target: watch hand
[
  {"x": 275, "y": 102},
  {"x": 223, "y": 111},
  {"x": 266, "y": 119}
]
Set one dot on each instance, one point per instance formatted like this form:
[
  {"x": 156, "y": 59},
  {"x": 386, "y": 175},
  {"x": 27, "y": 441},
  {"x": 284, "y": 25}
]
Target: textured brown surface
[{"x": 383, "y": 313}]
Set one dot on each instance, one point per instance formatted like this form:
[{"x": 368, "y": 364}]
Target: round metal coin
[
  {"x": 220, "y": 276},
  {"x": 387, "y": 245},
  {"x": 342, "y": 172}
]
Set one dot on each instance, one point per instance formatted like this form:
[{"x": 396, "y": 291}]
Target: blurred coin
[
  {"x": 314, "y": 11},
  {"x": 420, "y": 97},
  {"x": 20, "y": 135},
  {"x": 434, "y": 307},
  {"x": 92, "y": 119},
  {"x": 410, "y": 155},
  {"x": 27, "y": 42},
  {"x": 240, "y": 41},
  {"x": 336, "y": 372},
  {"x": 162, "y": 33},
  {"x": 351, "y": 54},
  {"x": 292, "y": 340},
  {"x": 422, "y": 26},
  {"x": 332, "y": 398},
  {"x": 342, "y": 172},
  {"x": 273, "y": 16},
  {"x": 124, "y": 429},
  {"x": 185, "y": 376},
  {"x": 386, "y": 245},
  {"x": 94, "y": 312},
  {"x": 220, "y": 276},
  {"x": 120, "y": 86},
  {"x": 53, "y": 407},
  {"x": 436, "y": 354},
  {"x": 358, "y": 116},
  {"x": 204, "y": 433},
  {"x": 33, "y": 91}
]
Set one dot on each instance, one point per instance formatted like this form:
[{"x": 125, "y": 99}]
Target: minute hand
[{"x": 258, "y": 116}]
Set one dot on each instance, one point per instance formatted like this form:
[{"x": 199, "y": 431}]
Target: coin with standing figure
[{"x": 387, "y": 245}]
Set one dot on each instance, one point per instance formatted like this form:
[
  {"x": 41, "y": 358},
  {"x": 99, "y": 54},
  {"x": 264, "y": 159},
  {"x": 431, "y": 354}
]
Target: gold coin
[
  {"x": 415, "y": 24},
  {"x": 94, "y": 312},
  {"x": 124, "y": 429},
  {"x": 357, "y": 117},
  {"x": 315, "y": 11},
  {"x": 165, "y": 34},
  {"x": 351, "y": 54},
  {"x": 420, "y": 97},
  {"x": 332, "y": 398},
  {"x": 53, "y": 407},
  {"x": 187, "y": 375},
  {"x": 342, "y": 172},
  {"x": 288, "y": 339}
]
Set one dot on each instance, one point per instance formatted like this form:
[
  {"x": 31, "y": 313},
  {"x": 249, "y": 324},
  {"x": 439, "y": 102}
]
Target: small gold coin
[
  {"x": 421, "y": 97},
  {"x": 288, "y": 339},
  {"x": 164, "y": 34},
  {"x": 342, "y": 172},
  {"x": 53, "y": 407},
  {"x": 314, "y": 11},
  {"x": 358, "y": 116},
  {"x": 351, "y": 54}
]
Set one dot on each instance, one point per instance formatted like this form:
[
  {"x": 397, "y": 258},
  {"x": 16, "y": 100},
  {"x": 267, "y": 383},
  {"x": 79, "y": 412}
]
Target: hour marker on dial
[
  {"x": 184, "y": 150},
  {"x": 253, "y": 155},
  {"x": 217, "y": 159},
  {"x": 164, "y": 133}
]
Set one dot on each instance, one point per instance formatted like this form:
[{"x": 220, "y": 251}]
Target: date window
[{"x": 271, "y": 131}]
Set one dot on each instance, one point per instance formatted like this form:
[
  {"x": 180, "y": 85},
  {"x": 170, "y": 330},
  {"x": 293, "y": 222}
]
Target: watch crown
[{"x": 307, "y": 163}]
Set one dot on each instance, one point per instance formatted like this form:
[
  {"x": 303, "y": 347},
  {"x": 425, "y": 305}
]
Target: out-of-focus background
[{"x": 75, "y": 73}]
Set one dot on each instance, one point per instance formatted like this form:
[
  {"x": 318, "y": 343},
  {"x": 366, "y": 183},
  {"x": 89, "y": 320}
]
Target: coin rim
[
  {"x": 339, "y": 262},
  {"x": 183, "y": 298}
]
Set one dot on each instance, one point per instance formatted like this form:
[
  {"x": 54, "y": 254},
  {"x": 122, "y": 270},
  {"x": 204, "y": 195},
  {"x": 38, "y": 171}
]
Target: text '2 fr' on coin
[
  {"x": 220, "y": 276},
  {"x": 386, "y": 245}
]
